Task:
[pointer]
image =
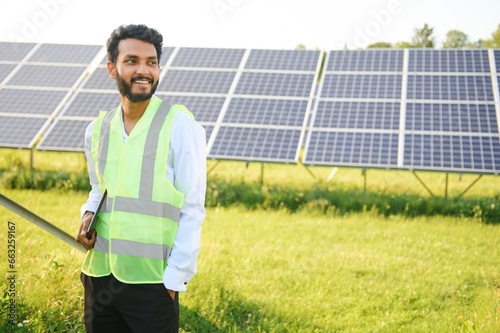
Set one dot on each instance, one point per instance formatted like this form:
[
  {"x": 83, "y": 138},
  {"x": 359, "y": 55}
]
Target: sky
[{"x": 267, "y": 24}]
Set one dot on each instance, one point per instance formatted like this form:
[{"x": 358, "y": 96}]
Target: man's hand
[
  {"x": 171, "y": 293},
  {"x": 82, "y": 233}
]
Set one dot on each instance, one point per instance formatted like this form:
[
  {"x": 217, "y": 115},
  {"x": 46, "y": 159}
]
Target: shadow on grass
[
  {"x": 226, "y": 312},
  {"x": 231, "y": 312}
]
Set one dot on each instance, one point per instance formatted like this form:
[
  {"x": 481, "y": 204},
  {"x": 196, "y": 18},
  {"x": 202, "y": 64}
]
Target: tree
[
  {"x": 478, "y": 44},
  {"x": 456, "y": 39},
  {"x": 423, "y": 37},
  {"x": 379, "y": 45},
  {"x": 495, "y": 39},
  {"x": 403, "y": 45}
]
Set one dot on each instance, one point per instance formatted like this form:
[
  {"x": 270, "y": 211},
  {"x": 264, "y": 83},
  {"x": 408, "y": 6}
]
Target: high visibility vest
[{"x": 137, "y": 224}]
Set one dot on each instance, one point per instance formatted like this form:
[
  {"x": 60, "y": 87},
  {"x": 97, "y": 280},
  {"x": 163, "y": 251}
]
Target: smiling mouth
[{"x": 142, "y": 81}]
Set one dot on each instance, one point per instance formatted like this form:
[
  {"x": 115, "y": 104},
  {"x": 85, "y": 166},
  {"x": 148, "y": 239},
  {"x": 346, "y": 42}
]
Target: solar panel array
[
  {"x": 252, "y": 103},
  {"x": 35, "y": 81},
  {"x": 412, "y": 109},
  {"x": 417, "y": 109}
]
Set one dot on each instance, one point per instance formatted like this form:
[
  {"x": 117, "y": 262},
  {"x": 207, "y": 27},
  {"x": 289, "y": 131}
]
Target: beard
[{"x": 125, "y": 88}]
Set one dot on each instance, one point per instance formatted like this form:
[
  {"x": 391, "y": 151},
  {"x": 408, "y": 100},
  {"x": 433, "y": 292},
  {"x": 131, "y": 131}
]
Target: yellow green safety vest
[{"x": 137, "y": 224}]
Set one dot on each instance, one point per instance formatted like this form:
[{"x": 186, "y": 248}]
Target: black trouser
[{"x": 113, "y": 306}]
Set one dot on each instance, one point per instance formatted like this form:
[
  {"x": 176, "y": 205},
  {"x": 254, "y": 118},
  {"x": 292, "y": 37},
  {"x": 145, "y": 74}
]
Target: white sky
[{"x": 274, "y": 24}]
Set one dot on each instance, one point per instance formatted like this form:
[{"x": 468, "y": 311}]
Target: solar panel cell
[
  {"x": 5, "y": 70},
  {"x": 275, "y": 84},
  {"x": 18, "y": 132},
  {"x": 68, "y": 134},
  {"x": 352, "y": 149},
  {"x": 266, "y": 111},
  {"x": 365, "y": 61},
  {"x": 283, "y": 60},
  {"x": 17, "y": 101},
  {"x": 359, "y": 115},
  {"x": 208, "y": 57},
  {"x": 46, "y": 76},
  {"x": 196, "y": 81},
  {"x": 449, "y": 61},
  {"x": 362, "y": 86},
  {"x": 14, "y": 51},
  {"x": 64, "y": 53},
  {"x": 462, "y": 118},
  {"x": 457, "y": 152},
  {"x": 204, "y": 108},
  {"x": 89, "y": 104},
  {"x": 256, "y": 144},
  {"x": 100, "y": 79},
  {"x": 447, "y": 87}
]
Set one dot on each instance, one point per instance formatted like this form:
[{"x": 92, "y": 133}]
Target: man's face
[{"x": 136, "y": 70}]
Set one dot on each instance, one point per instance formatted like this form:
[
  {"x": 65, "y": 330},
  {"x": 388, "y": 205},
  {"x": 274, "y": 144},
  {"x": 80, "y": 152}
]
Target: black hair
[{"x": 138, "y": 31}]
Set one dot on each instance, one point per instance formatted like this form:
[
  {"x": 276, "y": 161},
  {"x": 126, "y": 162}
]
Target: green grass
[{"x": 271, "y": 271}]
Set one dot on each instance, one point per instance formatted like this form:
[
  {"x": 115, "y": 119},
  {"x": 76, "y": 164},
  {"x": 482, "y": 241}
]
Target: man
[{"x": 149, "y": 158}]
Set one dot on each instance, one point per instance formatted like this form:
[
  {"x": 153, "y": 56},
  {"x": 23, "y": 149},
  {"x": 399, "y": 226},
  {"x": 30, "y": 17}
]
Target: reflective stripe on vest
[{"x": 121, "y": 246}]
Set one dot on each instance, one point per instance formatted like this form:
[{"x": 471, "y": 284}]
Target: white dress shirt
[{"x": 186, "y": 170}]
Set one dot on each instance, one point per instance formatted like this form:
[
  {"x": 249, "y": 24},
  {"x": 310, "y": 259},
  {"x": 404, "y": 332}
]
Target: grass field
[
  {"x": 278, "y": 272},
  {"x": 272, "y": 271}
]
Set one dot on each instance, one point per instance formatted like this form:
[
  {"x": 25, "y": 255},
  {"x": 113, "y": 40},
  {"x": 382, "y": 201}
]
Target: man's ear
[{"x": 111, "y": 69}]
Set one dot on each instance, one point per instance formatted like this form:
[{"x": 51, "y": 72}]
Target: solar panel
[
  {"x": 446, "y": 152},
  {"x": 65, "y": 135},
  {"x": 65, "y": 54},
  {"x": 282, "y": 60},
  {"x": 428, "y": 109},
  {"x": 449, "y": 61},
  {"x": 357, "y": 113},
  {"x": 365, "y": 61},
  {"x": 451, "y": 122},
  {"x": 274, "y": 112},
  {"x": 204, "y": 108},
  {"x": 497, "y": 59},
  {"x": 446, "y": 117},
  {"x": 208, "y": 57},
  {"x": 19, "y": 132},
  {"x": 358, "y": 149},
  {"x": 14, "y": 51},
  {"x": 379, "y": 86},
  {"x": 275, "y": 84},
  {"x": 450, "y": 87},
  {"x": 5, "y": 70},
  {"x": 212, "y": 82},
  {"x": 87, "y": 104},
  {"x": 46, "y": 76},
  {"x": 270, "y": 101},
  {"x": 100, "y": 79},
  {"x": 259, "y": 144},
  {"x": 36, "y": 102}
]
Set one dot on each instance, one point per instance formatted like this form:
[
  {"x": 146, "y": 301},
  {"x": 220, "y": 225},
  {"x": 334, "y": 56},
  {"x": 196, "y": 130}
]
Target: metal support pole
[
  {"x": 213, "y": 167},
  {"x": 475, "y": 181},
  {"x": 446, "y": 187},
  {"x": 364, "y": 172},
  {"x": 309, "y": 171},
  {"x": 42, "y": 223},
  {"x": 423, "y": 184},
  {"x": 262, "y": 174},
  {"x": 32, "y": 158}
]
